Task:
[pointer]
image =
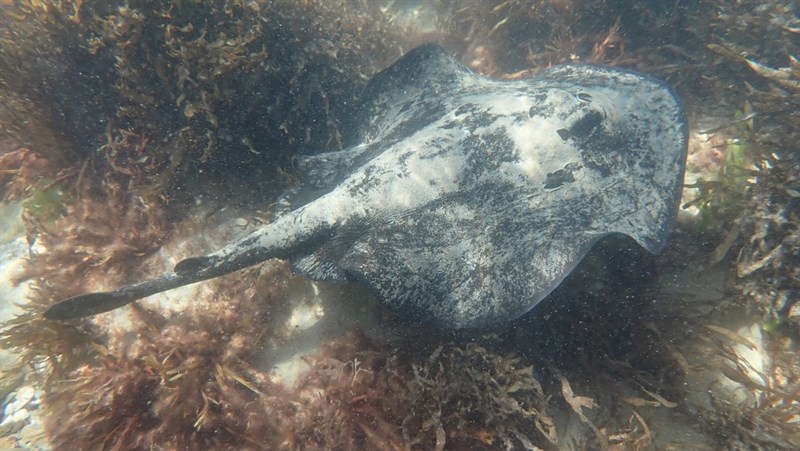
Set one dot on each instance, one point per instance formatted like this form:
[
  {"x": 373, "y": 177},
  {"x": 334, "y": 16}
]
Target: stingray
[{"x": 466, "y": 200}]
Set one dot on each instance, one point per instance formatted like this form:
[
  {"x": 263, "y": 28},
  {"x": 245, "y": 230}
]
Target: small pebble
[
  {"x": 18, "y": 400},
  {"x": 19, "y": 416}
]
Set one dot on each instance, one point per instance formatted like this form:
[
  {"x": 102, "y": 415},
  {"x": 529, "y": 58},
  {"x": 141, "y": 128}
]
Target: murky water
[{"x": 136, "y": 134}]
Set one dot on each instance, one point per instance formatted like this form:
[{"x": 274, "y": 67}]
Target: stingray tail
[
  {"x": 280, "y": 239},
  {"x": 93, "y": 303}
]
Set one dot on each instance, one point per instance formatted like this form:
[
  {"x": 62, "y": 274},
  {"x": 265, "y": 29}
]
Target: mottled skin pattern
[{"x": 470, "y": 199}]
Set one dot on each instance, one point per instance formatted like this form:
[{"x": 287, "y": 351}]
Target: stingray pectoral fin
[{"x": 93, "y": 303}]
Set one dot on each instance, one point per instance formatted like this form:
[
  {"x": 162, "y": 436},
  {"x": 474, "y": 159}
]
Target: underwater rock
[{"x": 468, "y": 199}]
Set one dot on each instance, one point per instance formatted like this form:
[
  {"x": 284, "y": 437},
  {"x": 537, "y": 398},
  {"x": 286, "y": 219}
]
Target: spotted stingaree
[{"x": 468, "y": 199}]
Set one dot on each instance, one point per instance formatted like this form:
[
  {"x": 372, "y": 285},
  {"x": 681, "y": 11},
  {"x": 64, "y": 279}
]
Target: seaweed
[
  {"x": 359, "y": 393},
  {"x": 220, "y": 87},
  {"x": 183, "y": 382},
  {"x": 46, "y": 349},
  {"x": 101, "y": 224}
]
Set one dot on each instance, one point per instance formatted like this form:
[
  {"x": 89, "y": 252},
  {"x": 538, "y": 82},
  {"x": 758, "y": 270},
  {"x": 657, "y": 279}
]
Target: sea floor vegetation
[{"x": 129, "y": 127}]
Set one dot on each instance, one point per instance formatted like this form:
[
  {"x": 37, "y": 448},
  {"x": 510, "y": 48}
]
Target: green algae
[{"x": 45, "y": 204}]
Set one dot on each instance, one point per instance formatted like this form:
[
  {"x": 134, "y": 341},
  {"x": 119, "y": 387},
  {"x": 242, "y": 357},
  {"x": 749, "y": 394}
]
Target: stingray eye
[{"x": 584, "y": 97}]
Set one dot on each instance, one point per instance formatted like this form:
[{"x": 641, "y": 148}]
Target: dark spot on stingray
[
  {"x": 467, "y": 109},
  {"x": 608, "y": 152},
  {"x": 584, "y": 126},
  {"x": 484, "y": 155},
  {"x": 475, "y": 234},
  {"x": 192, "y": 264},
  {"x": 541, "y": 107},
  {"x": 560, "y": 177}
]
